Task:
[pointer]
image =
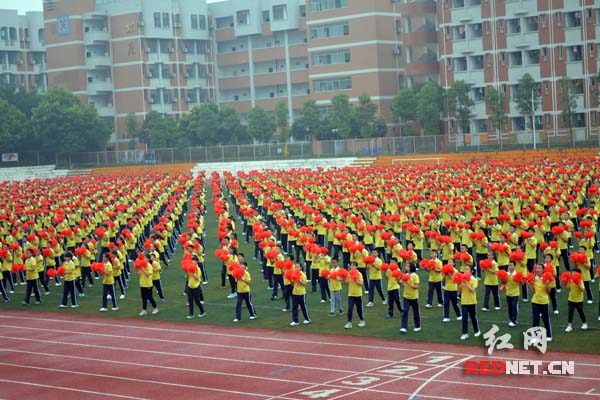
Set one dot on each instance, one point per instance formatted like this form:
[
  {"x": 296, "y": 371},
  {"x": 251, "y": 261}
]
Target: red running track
[{"x": 53, "y": 356}]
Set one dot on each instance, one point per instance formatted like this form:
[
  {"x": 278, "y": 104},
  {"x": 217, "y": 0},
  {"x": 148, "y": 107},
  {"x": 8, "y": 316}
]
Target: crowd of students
[{"x": 509, "y": 226}]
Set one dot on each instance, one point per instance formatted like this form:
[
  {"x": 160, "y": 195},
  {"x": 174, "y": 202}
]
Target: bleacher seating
[
  {"x": 247, "y": 166},
  {"x": 37, "y": 172}
]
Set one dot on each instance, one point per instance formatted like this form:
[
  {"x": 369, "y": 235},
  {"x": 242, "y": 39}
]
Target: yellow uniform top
[
  {"x": 449, "y": 284},
  {"x": 146, "y": 276},
  {"x": 513, "y": 289},
  {"x": 107, "y": 276},
  {"x": 392, "y": 282},
  {"x": 300, "y": 285},
  {"x": 409, "y": 292},
  {"x": 491, "y": 279},
  {"x": 540, "y": 296},
  {"x": 435, "y": 275},
  {"x": 576, "y": 292},
  {"x": 243, "y": 284},
  {"x": 335, "y": 285},
  {"x": 156, "y": 268},
  {"x": 467, "y": 297},
  {"x": 31, "y": 272},
  {"x": 374, "y": 270},
  {"x": 355, "y": 286},
  {"x": 69, "y": 271}
]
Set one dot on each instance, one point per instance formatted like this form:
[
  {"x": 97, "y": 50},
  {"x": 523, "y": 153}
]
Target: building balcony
[
  {"x": 105, "y": 110},
  {"x": 96, "y": 36},
  {"x": 99, "y": 86},
  {"x": 12, "y": 68},
  {"x": 98, "y": 62}
]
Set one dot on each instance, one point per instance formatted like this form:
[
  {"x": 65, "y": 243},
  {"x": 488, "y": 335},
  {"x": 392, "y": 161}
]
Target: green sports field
[{"x": 220, "y": 310}]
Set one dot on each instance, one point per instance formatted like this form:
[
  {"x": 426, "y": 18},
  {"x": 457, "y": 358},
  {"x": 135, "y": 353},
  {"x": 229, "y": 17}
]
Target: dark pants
[
  {"x": 287, "y": 295},
  {"x": 437, "y": 286},
  {"x": 69, "y": 290},
  {"x": 576, "y": 306},
  {"x": 314, "y": 279},
  {"x": 564, "y": 254},
  {"x": 106, "y": 290},
  {"x": 158, "y": 285},
  {"x": 32, "y": 284},
  {"x": 375, "y": 284},
  {"x": 486, "y": 297},
  {"x": 355, "y": 301},
  {"x": 479, "y": 258},
  {"x": 469, "y": 311},
  {"x": 86, "y": 272},
  {"x": 408, "y": 304},
  {"x": 394, "y": 300},
  {"x": 223, "y": 275},
  {"x": 524, "y": 293},
  {"x": 588, "y": 290},
  {"x": 232, "y": 283},
  {"x": 299, "y": 300},
  {"x": 541, "y": 309},
  {"x": 324, "y": 286},
  {"x": 277, "y": 283},
  {"x": 512, "y": 303},
  {"x": 3, "y": 291},
  {"x": 119, "y": 280},
  {"x": 552, "y": 296},
  {"x": 241, "y": 298},
  {"x": 7, "y": 279},
  {"x": 146, "y": 293},
  {"x": 451, "y": 297},
  {"x": 365, "y": 276},
  {"x": 193, "y": 296}
]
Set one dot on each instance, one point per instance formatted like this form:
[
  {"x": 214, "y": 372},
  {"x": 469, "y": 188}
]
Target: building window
[
  {"x": 165, "y": 20},
  {"x": 280, "y": 12},
  {"x": 330, "y": 31},
  {"x": 303, "y": 11},
  {"x": 266, "y": 17},
  {"x": 202, "y": 22},
  {"x": 41, "y": 36},
  {"x": 322, "y": 5},
  {"x": 337, "y": 57},
  {"x": 194, "y": 21},
  {"x": 157, "y": 20},
  {"x": 330, "y": 85},
  {"x": 243, "y": 17}
]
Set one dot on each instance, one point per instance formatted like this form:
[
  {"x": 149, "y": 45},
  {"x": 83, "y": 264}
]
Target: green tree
[
  {"x": 61, "y": 124},
  {"x": 496, "y": 102},
  {"x": 428, "y": 108},
  {"x": 24, "y": 101},
  {"x": 404, "y": 109},
  {"x": 231, "y": 129},
  {"x": 161, "y": 131},
  {"x": 340, "y": 118},
  {"x": 365, "y": 115},
  {"x": 461, "y": 103},
  {"x": 261, "y": 126},
  {"x": 311, "y": 119},
  {"x": 281, "y": 120},
  {"x": 568, "y": 99},
  {"x": 12, "y": 127},
  {"x": 201, "y": 126},
  {"x": 527, "y": 97},
  {"x": 380, "y": 126},
  {"x": 134, "y": 129}
]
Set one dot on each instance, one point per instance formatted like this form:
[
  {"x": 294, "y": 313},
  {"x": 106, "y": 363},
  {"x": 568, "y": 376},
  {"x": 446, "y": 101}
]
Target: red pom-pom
[
  {"x": 393, "y": 266},
  {"x": 558, "y": 230},
  {"x": 543, "y": 246},
  {"x": 233, "y": 266},
  {"x": 457, "y": 278},
  {"x": 589, "y": 235},
  {"x": 529, "y": 278},
  {"x": 384, "y": 267},
  {"x": 486, "y": 264},
  {"x": 518, "y": 277},
  {"x": 447, "y": 269},
  {"x": 456, "y": 256},
  {"x": 342, "y": 273},
  {"x": 405, "y": 277},
  {"x": 15, "y": 268},
  {"x": 238, "y": 273},
  {"x": 369, "y": 260},
  {"x": 354, "y": 274},
  {"x": 549, "y": 268},
  {"x": 576, "y": 277},
  {"x": 548, "y": 277},
  {"x": 288, "y": 274},
  {"x": 578, "y": 234},
  {"x": 502, "y": 275},
  {"x": 80, "y": 251},
  {"x": 465, "y": 257},
  {"x": 466, "y": 277},
  {"x": 397, "y": 274},
  {"x": 517, "y": 255},
  {"x": 295, "y": 275},
  {"x": 97, "y": 267},
  {"x": 51, "y": 273},
  {"x": 100, "y": 232},
  {"x": 60, "y": 270},
  {"x": 526, "y": 235},
  {"x": 45, "y": 252},
  {"x": 324, "y": 273},
  {"x": 140, "y": 264},
  {"x": 565, "y": 277},
  {"x": 272, "y": 254}
]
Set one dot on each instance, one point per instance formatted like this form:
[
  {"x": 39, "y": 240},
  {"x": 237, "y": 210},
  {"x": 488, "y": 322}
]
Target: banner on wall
[
  {"x": 8, "y": 157},
  {"x": 63, "y": 25}
]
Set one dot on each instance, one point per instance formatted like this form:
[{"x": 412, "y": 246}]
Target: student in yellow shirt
[
  {"x": 243, "y": 294},
  {"x": 31, "y": 276},
  {"x": 540, "y": 300},
  {"x": 411, "y": 298},
  {"x": 287, "y": 286},
  {"x": 156, "y": 282},
  {"x": 468, "y": 301},
  {"x": 355, "y": 297},
  {"x": 194, "y": 290},
  {"x": 145, "y": 275},
  {"x": 451, "y": 294},
  {"x": 490, "y": 282},
  {"x": 108, "y": 284},
  {"x": 299, "y": 297},
  {"x": 335, "y": 289},
  {"x": 375, "y": 278},
  {"x": 393, "y": 289},
  {"x": 513, "y": 289},
  {"x": 435, "y": 281},
  {"x": 69, "y": 281},
  {"x": 575, "y": 302}
]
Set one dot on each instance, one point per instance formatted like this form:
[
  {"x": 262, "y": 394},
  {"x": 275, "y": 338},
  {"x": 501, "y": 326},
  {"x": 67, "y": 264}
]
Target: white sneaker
[
  {"x": 417, "y": 329},
  {"x": 428, "y": 306},
  {"x": 236, "y": 320},
  {"x": 231, "y": 295},
  {"x": 202, "y": 314},
  {"x": 446, "y": 320},
  {"x": 323, "y": 301},
  {"x": 556, "y": 312},
  {"x": 62, "y": 306},
  {"x": 403, "y": 330},
  {"x": 253, "y": 317},
  {"x": 384, "y": 301},
  {"x": 584, "y": 326},
  {"x": 440, "y": 305},
  {"x": 115, "y": 308},
  {"x": 190, "y": 317},
  {"x": 294, "y": 323},
  {"x": 569, "y": 328},
  {"x": 512, "y": 324},
  {"x": 57, "y": 284},
  {"x": 122, "y": 296},
  {"x": 109, "y": 297},
  {"x": 285, "y": 310},
  {"x": 464, "y": 337},
  {"x": 590, "y": 301},
  {"x": 496, "y": 308},
  {"x": 348, "y": 325},
  {"x": 306, "y": 321},
  {"x": 75, "y": 306},
  {"x": 459, "y": 318},
  {"x": 548, "y": 339},
  {"x": 370, "y": 304},
  {"x": 143, "y": 312},
  {"x": 362, "y": 324},
  {"x": 558, "y": 290},
  {"x": 525, "y": 300},
  {"x": 485, "y": 309},
  {"x": 477, "y": 334},
  {"x": 155, "y": 311},
  {"x": 103, "y": 309}
]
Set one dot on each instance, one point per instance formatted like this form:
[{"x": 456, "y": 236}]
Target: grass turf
[{"x": 220, "y": 310}]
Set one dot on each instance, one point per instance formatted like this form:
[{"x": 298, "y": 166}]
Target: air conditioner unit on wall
[{"x": 397, "y": 51}]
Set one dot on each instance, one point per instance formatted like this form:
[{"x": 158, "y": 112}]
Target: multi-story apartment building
[
  {"x": 134, "y": 56},
  {"x": 22, "y": 54},
  {"x": 493, "y": 43}
]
